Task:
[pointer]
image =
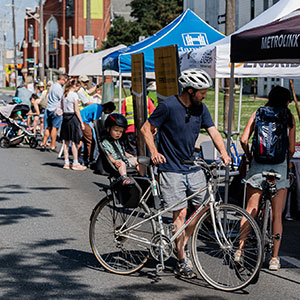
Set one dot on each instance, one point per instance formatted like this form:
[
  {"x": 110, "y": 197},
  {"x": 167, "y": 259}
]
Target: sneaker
[
  {"x": 78, "y": 167},
  {"x": 274, "y": 264},
  {"x": 127, "y": 180},
  {"x": 183, "y": 270},
  {"x": 67, "y": 166},
  {"x": 238, "y": 256}
]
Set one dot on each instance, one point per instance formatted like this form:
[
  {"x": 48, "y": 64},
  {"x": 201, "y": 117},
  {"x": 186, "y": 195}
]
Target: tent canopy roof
[
  {"x": 215, "y": 58},
  {"x": 90, "y": 64},
  {"x": 278, "y": 41},
  {"x": 188, "y": 31}
]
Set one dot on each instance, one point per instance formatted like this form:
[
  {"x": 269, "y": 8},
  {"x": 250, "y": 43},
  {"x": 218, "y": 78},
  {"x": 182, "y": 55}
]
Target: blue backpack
[{"x": 270, "y": 142}]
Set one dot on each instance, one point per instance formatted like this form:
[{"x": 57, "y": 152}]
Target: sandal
[
  {"x": 127, "y": 180},
  {"x": 238, "y": 256},
  {"x": 274, "y": 264}
]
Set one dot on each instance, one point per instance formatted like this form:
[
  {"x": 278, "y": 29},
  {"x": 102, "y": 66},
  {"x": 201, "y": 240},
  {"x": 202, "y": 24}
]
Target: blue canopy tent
[{"x": 188, "y": 31}]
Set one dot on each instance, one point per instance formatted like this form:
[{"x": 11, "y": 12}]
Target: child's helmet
[
  {"x": 16, "y": 100},
  {"x": 115, "y": 119}
]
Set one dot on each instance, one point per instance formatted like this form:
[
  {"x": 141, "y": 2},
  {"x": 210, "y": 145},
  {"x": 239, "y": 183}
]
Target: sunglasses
[{"x": 187, "y": 115}]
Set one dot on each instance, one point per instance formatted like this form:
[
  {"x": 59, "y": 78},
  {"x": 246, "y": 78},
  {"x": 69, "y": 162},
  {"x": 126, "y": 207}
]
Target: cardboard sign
[
  {"x": 138, "y": 79},
  {"x": 166, "y": 71}
]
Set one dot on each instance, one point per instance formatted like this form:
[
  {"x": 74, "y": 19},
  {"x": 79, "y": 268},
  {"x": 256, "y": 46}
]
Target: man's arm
[
  {"x": 146, "y": 131},
  {"x": 219, "y": 143}
]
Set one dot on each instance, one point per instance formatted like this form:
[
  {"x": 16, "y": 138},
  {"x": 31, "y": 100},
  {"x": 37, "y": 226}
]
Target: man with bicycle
[{"x": 179, "y": 119}]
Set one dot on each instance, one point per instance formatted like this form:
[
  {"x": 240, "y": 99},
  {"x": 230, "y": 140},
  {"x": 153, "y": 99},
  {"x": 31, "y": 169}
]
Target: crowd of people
[{"x": 72, "y": 106}]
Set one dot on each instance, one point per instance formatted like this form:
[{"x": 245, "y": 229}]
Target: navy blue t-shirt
[{"x": 179, "y": 127}]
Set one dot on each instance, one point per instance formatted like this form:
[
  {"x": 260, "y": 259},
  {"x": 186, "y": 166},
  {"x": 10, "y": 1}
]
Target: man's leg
[
  {"x": 46, "y": 136},
  {"x": 178, "y": 220},
  {"x": 53, "y": 137}
]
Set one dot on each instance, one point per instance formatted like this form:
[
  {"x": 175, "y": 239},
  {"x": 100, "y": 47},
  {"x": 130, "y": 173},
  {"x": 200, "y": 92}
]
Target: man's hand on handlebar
[
  {"x": 226, "y": 159},
  {"x": 158, "y": 158}
]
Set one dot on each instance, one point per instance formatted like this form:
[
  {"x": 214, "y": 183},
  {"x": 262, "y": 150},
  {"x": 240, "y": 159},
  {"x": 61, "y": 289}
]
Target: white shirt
[{"x": 69, "y": 102}]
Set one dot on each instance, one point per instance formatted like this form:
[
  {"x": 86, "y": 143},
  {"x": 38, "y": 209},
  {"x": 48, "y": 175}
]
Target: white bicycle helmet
[{"x": 195, "y": 78}]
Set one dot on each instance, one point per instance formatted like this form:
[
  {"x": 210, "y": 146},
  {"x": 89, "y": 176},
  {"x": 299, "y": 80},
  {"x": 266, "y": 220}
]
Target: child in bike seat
[{"x": 115, "y": 125}]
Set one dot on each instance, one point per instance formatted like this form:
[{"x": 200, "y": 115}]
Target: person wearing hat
[
  {"x": 84, "y": 92},
  {"x": 130, "y": 134},
  {"x": 40, "y": 88}
]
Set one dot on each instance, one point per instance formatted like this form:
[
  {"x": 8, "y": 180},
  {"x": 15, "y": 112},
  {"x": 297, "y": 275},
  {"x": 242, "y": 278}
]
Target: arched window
[{"x": 51, "y": 36}]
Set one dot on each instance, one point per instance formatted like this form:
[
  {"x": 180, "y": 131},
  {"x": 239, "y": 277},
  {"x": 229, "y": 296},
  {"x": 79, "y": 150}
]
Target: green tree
[
  {"x": 150, "y": 16},
  {"x": 122, "y": 32}
]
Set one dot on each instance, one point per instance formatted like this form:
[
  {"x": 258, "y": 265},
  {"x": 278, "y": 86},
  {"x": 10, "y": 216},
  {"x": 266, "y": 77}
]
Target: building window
[
  {"x": 266, "y": 4},
  {"x": 275, "y": 1},
  {"x": 252, "y": 9},
  {"x": 70, "y": 8},
  {"x": 30, "y": 34}
]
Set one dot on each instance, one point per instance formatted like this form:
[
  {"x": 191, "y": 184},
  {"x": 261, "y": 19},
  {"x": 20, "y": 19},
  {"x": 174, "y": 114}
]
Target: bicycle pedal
[{"x": 159, "y": 268}]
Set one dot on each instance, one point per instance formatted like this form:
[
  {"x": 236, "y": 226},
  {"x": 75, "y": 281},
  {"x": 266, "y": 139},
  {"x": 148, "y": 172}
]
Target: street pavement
[{"x": 45, "y": 251}]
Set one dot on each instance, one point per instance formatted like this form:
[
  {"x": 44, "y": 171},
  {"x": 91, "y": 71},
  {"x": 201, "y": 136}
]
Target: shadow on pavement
[{"x": 10, "y": 216}]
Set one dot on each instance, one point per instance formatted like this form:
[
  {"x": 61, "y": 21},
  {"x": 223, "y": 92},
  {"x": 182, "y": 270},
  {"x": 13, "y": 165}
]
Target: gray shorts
[
  {"x": 255, "y": 179},
  {"x": 176, "y": 186}
]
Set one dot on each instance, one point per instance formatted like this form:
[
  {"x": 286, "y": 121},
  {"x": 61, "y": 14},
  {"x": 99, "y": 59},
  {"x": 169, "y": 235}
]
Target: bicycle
[
  {"x": 234, "y": 154},
  {"x": 264, "y": 215},
  {"x": 122, "y": 238}
]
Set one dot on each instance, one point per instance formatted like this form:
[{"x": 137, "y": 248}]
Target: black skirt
[{"x": 70, "y": 128}]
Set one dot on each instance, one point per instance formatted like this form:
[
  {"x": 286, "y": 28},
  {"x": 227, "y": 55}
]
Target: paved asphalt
[{"x": 44, "y": 244}]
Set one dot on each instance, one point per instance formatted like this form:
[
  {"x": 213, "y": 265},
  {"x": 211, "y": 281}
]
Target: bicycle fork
[{"x": 216, "y": 219}]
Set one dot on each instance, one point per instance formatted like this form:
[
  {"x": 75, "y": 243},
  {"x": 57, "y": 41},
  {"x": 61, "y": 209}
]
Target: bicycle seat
[
  {"x": 144, "y": 160},
  {"x": 271, "y": 174}
]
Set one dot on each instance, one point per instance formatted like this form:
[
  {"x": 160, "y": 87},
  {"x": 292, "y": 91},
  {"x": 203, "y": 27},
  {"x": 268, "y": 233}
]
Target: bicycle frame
[{"x": 209, "y": 203}]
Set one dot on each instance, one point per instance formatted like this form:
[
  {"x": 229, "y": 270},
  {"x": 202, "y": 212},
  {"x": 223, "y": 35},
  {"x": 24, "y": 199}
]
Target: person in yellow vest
[
  {"x": 130, "y": 135},
  {"x": 84, "y": 93}
]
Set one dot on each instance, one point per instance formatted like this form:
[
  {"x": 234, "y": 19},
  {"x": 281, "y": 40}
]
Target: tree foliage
[{"x": 149, "y": 16}]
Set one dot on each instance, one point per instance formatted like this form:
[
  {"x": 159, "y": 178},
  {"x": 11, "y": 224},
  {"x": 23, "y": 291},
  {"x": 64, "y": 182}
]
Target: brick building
[{"x": 64, "y": 24}]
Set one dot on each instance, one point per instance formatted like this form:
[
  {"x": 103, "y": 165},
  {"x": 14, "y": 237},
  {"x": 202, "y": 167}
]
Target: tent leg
[
  {"x": 230, "y": 114},
  {"x": 120, "y": 92},
  {"x": 216, "y": 109},
  {"x": 240, "y": 111}
]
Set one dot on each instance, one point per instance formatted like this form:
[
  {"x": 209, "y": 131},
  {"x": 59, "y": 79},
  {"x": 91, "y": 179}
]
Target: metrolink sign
[{"x": 280, "y": 41}]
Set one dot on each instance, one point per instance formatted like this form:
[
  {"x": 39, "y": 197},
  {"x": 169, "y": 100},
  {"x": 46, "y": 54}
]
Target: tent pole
[
  {"x": 240, "y": 111},
  {"x": 120, "y": 92},
  {"x": 230, "y": 114},
  {"x": 216, "y": 109},
  {"x": 102, "y": 90}
]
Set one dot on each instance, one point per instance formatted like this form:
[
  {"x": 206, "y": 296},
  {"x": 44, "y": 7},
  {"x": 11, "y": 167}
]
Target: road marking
[{"x": 291, "y": 260}]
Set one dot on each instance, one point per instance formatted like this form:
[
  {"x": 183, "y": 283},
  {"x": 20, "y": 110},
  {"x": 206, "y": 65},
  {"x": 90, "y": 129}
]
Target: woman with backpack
[{"x": 273, "y": 145}]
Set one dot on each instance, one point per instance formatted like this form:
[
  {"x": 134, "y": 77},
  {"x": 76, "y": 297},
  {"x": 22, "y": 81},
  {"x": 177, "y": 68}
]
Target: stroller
[{"x": 15, "y": 133}]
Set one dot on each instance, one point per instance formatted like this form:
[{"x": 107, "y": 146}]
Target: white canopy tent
[
  {"x": 215, "y": 58},
  {"x": 90, "y": 64}
]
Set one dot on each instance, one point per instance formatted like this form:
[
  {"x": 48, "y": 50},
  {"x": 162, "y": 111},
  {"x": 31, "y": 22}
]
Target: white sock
[
  {"x": 75, "y": 162},
  {"x": 67, "y": 161}
]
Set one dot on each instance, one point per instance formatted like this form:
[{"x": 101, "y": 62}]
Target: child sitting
[{"x": 115, "y": 125}]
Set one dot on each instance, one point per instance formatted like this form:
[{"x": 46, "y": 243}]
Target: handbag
[{"x": 58, "y": 110}]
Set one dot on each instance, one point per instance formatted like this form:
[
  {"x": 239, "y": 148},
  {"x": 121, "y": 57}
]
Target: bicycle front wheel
[
  {"x": 120, "y": 253},
  {"x": 215, "y": 259}
]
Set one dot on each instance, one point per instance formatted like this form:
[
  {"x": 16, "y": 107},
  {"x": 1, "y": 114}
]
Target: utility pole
[
  {"x": 88, "y": 17},
  {"x": 229, "y": 28},
  {"x": 42, "y": 48},
  {"x": 15, "y": 42}
]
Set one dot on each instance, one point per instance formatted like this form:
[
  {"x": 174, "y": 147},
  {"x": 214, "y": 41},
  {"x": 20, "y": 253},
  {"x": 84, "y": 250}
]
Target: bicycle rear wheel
[
  {"x": 120, "y": 254},
  {"x": 266, "y": 231},
  {"x": 215, "y": 263}
]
